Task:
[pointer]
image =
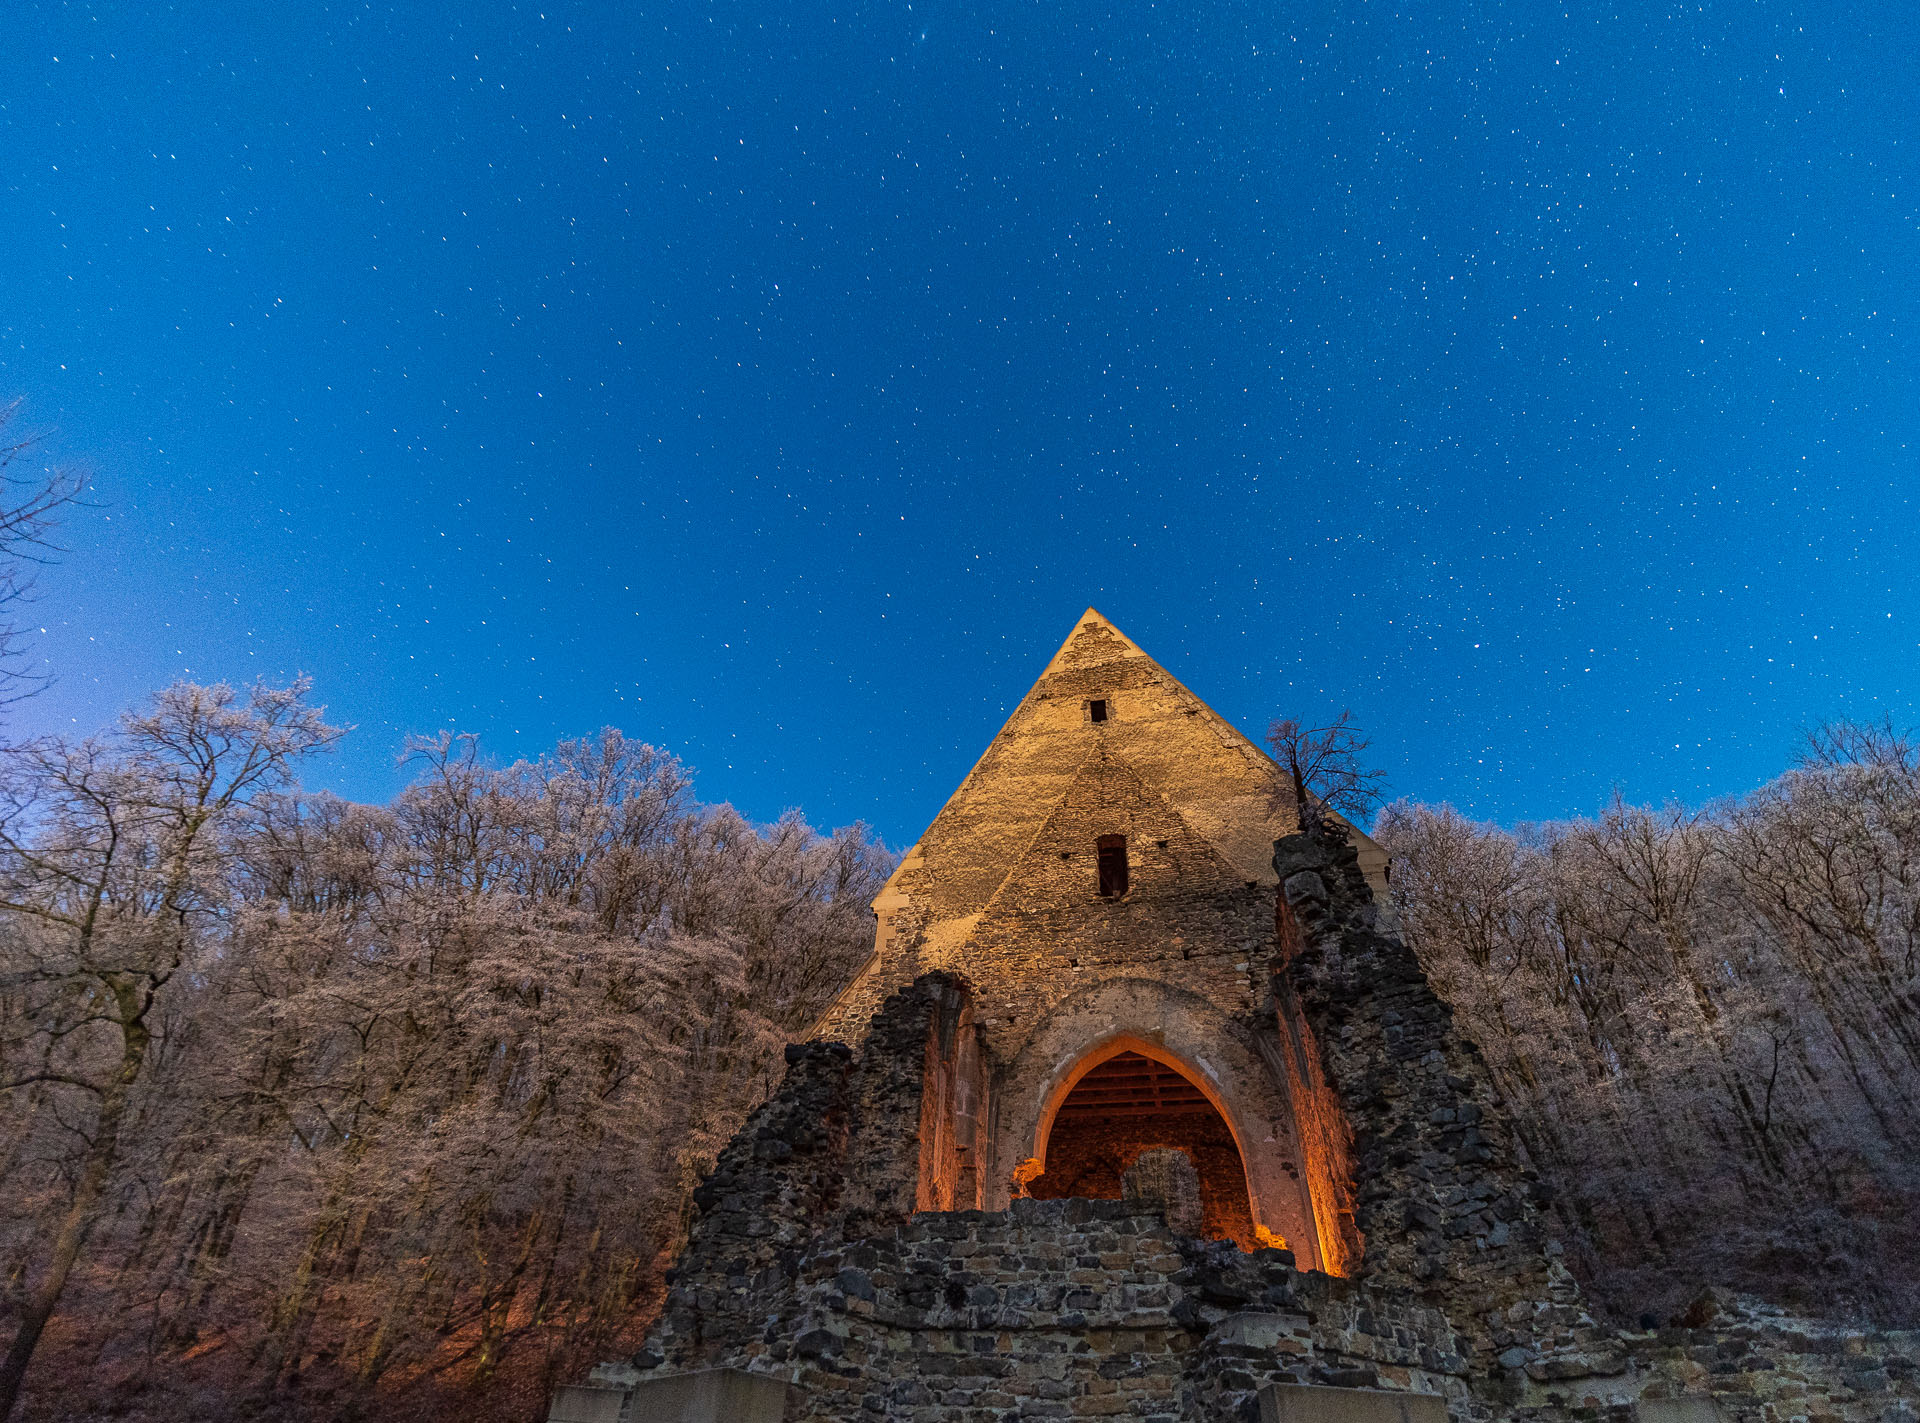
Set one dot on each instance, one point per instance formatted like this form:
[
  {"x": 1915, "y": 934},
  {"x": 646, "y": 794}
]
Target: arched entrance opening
[{"x": 1128, "y": 1102}]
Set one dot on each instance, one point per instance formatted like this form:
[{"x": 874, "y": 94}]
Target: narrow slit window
[
  {"x": 1097, "y": 709},
  {"x": 1113, "y": 866}
]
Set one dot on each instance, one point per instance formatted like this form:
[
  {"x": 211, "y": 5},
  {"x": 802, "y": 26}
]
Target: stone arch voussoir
[{"x": 1162, "y": 1021}]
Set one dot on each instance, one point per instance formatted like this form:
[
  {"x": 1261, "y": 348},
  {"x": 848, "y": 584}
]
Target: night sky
[{"x": 779, "y": 381}]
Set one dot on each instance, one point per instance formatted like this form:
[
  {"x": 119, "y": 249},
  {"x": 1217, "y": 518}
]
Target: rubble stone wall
[
  {"x": 1092, "y": 1309},
  {"x": 1443, "y": 1201},
  {"x": 1066, "y": 1309},
  {"x": 837, "y": 1149}
]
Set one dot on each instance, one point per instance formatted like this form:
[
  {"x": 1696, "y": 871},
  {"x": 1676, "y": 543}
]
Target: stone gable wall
[
  {"x": 1195, "y": 800},
  {"x": 1188, "y": 918}
]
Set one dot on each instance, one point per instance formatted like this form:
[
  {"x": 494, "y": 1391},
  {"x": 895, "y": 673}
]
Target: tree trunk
[{"x": 84, "y": 1208}]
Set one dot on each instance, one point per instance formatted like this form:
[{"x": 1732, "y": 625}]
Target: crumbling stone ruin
[{"x": 1141, "y": 1109}]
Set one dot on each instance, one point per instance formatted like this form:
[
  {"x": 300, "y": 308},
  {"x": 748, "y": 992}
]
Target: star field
[{"x": 778, "y": 382}]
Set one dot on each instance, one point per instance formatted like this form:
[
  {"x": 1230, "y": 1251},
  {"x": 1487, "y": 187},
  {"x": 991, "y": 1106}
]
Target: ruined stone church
[
  {"x": 1141, "y": 1109},
  {"x": 1103, "y": 882}
]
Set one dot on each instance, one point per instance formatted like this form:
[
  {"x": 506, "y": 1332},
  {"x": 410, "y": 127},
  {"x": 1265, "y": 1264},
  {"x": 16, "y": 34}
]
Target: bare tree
[
  {"x": 1328, "y": 769},
  {"x": 1859, "y": 743},
  {"x": 109, "y": 854},
  {"x": 29, "y": 508}
]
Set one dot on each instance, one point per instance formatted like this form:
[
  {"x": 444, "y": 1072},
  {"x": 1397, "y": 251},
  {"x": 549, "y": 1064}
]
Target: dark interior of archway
[{"x": 1130, "y": 1104}]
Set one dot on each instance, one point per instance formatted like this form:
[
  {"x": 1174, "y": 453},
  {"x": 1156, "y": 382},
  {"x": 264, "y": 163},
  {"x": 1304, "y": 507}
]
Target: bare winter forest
[
  {"x": 1707, "y": 1024},
  {"x": 316, "y": 1108},
  {"x": 321, "y": 1109}
]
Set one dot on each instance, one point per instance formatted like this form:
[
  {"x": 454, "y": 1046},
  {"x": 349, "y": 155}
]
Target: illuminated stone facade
[
  {"x": 1109, "y": 757},
  {"x": 1113, "y": 945}
]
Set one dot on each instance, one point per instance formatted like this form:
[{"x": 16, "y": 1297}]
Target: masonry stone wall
[
  {"x": 837, "y": 1149},
  {"x": 1065, "y": 1309},
  {"x": 1291, "y": 1048},
  {"x": 1443, "y": 1199},
  {"x": 955, "y": 1104},
  {"x": 1091, "y": 1309},
  {"x": 860, "y": 1238}
]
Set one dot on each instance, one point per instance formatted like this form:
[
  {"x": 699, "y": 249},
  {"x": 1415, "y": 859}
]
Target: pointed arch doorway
[{"x": 1127, "y": 1097}]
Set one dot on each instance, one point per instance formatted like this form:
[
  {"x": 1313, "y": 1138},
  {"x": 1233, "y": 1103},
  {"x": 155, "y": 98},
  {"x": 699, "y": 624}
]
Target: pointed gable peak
[
  {"x": 1154, "y": 762},
  {"x": 1094, "y": 640}
]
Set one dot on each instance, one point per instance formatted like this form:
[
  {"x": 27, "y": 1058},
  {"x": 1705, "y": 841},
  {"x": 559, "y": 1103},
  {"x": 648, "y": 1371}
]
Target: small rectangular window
[
  {"x": 1097, "y": 710},
  {"x": 1113, "y": 866}
]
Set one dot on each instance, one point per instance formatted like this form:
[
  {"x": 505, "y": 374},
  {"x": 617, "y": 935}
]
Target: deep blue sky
[{"x": 779, "y": 381}]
